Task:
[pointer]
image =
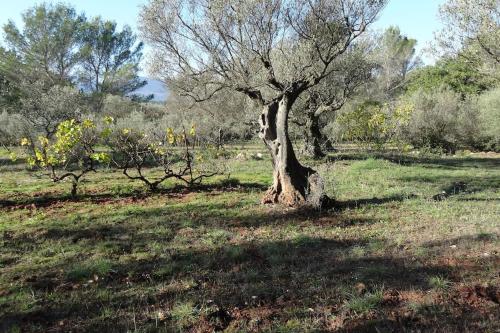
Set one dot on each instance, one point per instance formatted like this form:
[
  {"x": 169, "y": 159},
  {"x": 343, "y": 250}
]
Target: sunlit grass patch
[{"x": 92, "y": 269}]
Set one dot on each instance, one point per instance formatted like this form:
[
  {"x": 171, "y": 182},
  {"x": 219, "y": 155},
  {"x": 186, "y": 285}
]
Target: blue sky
[
  {"x": 416, "y": 18},
  {"x": 121, "y": 11}
]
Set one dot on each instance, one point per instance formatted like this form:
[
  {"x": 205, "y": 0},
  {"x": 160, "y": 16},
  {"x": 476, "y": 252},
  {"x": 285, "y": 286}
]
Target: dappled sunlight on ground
[{"x": 410, "y": 245}]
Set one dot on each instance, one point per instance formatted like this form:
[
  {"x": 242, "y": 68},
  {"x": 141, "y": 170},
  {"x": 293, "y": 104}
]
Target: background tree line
[{"x": 67, "y": 61}]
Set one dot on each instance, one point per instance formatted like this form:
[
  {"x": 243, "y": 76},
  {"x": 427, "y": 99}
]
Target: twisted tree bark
[
  {"x": 315, "y": 141},
  {"x": 313, "y": 137},
  {"x": 293, "y": 184}
]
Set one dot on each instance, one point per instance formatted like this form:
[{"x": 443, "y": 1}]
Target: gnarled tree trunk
[
  {"x": 294, "y": 185},
  {"x": 313, "y": 137},
  {"x": 315, "y": 141}
]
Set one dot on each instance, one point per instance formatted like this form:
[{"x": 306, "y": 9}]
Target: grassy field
[{"x": 412, "y": 245}]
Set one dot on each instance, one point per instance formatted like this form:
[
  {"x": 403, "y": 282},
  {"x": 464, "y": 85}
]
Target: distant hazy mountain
[{"x": 154, "y": 87}]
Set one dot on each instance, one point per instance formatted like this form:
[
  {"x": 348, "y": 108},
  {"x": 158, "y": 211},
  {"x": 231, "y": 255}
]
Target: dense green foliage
[
  {"x": 59, "y": 48},
  {"x": 489, "y": 109},
  {"x": 442, "y": 120},
  {"x": 460, "y": 75},
  {"x": 48, "y": 44}
]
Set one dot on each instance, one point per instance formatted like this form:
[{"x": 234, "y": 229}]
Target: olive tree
[
  {"x": 270, "y": 50},
  {"x": 351, "y": 71},
  {"x": 44, "y": 108},
  {"x": 472, "y": 30}
]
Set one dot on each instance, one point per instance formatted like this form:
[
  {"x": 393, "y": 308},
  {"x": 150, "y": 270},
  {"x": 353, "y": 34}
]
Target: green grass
[
  {"x": 438, "y": 282},
  {"x": 120, "y": 259},
  {"x": 360, "y": 304},
  {"x": 184, "y": 314},
  {"x": 92, "y": 269}
]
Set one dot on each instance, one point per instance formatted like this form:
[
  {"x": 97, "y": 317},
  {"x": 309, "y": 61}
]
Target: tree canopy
[
  {"x": 59, "y": 46},
  {"x": 260, "y": 48},
  {"x": 49, "y": 43},
  {"x": 110, "y": 59},
  {"x": 472, "y": 31}
]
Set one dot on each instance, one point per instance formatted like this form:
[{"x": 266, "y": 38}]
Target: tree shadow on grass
[
  {"x": 125, "y": 230},
  {"x": 447, "y": 162},
  {"x": 6, "y": 162},
  {"x": 356, "y": 203},
  {"x": 256, "y": 283},
  {"x": 466, "y": 240},
  {"x": 478, "y": 199},
  {"x": 260, "y": 283},
  {"x": 47, "y": 200},
  {"x": 456, "y": 185},
  {"x": 227, "y": 214}
]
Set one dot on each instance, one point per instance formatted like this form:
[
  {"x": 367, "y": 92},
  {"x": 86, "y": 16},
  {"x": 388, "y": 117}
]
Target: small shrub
[
  {"x": 12, "y": 127},
  {"x": 179, "y": 155},
  {"x": 489, "y": 109},
  {"x": 442, "y": 120},
  {"x": 70, "y": 154},
  {"x": 366, "y": 123},
  {"x": 374, "y": 123}
]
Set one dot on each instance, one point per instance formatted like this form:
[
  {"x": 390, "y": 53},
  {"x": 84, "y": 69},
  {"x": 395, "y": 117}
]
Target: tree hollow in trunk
[{"x": 294, "y": 185}]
